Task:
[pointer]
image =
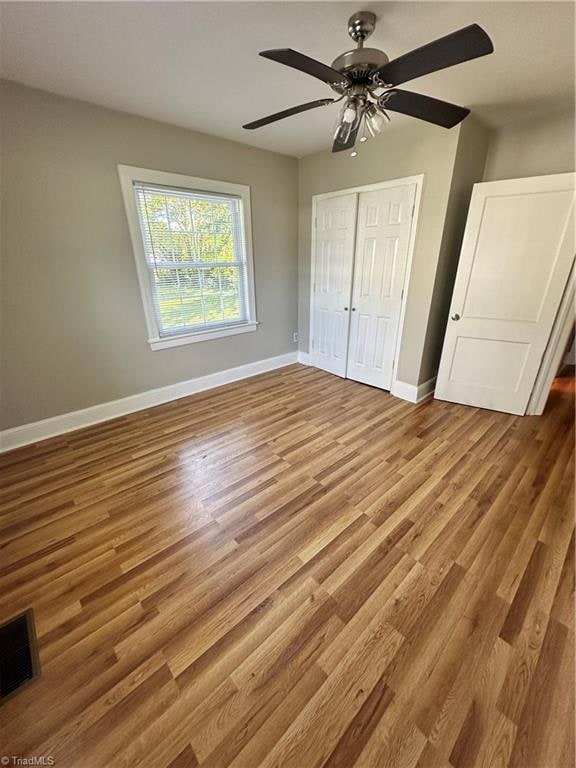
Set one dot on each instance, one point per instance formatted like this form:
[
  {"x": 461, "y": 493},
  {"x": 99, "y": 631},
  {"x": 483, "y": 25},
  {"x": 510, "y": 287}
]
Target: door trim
[
  {"x": 418, "y": 180},
  {"x": 555, "y": 349}
]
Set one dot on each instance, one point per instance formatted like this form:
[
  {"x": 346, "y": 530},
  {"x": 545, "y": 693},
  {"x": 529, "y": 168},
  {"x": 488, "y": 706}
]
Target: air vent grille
[{"x": 19, "y": 663}]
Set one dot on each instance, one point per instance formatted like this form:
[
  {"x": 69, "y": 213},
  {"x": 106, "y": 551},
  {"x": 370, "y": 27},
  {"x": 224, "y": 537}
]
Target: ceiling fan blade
[
  {"x": 287, "y": 113},
  {"x": 306, "y": 64},
  {"x": 340, "y": 146},
  {"x": 423, "y": 107},
  {"x": 463, "y": 45}
]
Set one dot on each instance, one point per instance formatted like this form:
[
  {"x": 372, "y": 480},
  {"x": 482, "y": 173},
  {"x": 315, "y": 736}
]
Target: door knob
[
  {"x": 353, "y": 309},
  {"x": 455, "y": 316},
  {"x": 345, "y": 309}
]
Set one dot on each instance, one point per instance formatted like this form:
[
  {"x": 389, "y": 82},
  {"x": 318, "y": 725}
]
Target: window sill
[{"x": 192, "y": 338}]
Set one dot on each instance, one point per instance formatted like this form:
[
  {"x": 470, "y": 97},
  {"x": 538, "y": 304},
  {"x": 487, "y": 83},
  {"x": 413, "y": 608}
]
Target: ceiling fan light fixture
[
  {"x": 348, "y": 121},
  {"x": 375, "y": 120},
  {"x": 349, "y": 114}
]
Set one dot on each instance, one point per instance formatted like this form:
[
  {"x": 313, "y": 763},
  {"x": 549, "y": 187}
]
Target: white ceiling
[{"x": 195, "y": 64}]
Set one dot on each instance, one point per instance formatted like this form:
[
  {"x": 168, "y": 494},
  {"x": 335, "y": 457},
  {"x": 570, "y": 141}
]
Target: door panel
[
  {"x": 529, "y": 225},
  {"x": 383, "y": 235},
  {"x": 475, "y": 359},
  {"x": 517, "y": 253},
  {"x": 332, "y": 280}
]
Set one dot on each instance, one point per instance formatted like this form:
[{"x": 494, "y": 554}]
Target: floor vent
[{"x": 19, "y": 663}]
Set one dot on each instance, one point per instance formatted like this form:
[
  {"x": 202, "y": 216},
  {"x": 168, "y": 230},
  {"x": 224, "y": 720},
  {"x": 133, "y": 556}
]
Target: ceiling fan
[{"x": 366, "y": 80}]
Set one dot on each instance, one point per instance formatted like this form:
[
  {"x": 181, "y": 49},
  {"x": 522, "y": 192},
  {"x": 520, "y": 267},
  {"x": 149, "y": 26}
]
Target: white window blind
[{"x": 195, "y": 252}]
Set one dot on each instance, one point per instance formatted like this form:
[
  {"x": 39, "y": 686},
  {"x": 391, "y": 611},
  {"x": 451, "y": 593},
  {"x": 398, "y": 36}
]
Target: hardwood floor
[{"x": 297, "y": 571}]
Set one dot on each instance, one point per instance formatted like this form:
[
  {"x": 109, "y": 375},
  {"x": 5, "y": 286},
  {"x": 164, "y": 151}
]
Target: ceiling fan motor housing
[{"x": 360, "y": 63}]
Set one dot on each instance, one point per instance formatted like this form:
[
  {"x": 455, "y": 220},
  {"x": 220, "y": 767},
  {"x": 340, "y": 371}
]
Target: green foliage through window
[{"x": 195, "y": 256}]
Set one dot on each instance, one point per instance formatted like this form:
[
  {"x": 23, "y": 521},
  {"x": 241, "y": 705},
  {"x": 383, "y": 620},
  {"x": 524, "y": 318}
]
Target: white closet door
[
  {"x": 332, "y": 279},
  {"x": 517, "y": 253},
  {"x": 382, "y": 240}
]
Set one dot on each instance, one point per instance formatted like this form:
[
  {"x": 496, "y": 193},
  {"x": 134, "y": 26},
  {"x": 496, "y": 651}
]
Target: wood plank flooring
[{"x": 296, "y": 571}]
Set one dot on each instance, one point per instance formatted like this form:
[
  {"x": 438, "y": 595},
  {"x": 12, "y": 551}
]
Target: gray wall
[
  {"x": 532, "y": 148},
  {"x": 73, "y": 324},
  {"x": 406, "y": 150},
  {"x": 72, "y": 319},
  {"x": 469, "y": 163}
]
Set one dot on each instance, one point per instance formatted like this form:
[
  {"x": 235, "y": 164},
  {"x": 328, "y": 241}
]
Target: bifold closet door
[
  {"x": 332, "y": 281},
  {"x": 382, "y": 240}
]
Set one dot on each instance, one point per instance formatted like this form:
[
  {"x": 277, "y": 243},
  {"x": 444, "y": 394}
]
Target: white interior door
[
  {"x": 382, "y": 241},
  {"x": 332, "y": 281},
  {"x": 516, "y": 257}
]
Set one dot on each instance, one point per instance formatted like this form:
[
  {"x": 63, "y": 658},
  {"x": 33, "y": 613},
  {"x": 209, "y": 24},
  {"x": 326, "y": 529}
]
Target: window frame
[{"x": 128, "y": 175}]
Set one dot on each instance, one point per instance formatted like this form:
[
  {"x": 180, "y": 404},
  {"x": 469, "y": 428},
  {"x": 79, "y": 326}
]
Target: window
[{"x": 192, "y": 244}]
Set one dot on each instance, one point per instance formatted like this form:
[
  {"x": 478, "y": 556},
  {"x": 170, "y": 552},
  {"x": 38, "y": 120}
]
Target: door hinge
[
  {"x": 402, "y": 294},
  {"x": 313, "y": 287}
]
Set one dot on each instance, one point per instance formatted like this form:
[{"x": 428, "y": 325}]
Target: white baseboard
[
  {"x": 67, "y": 422},
  {"x": 399, "y": 388},
  {"x": 412, "y": 393},
  {"x": 426, "y": 389}
]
